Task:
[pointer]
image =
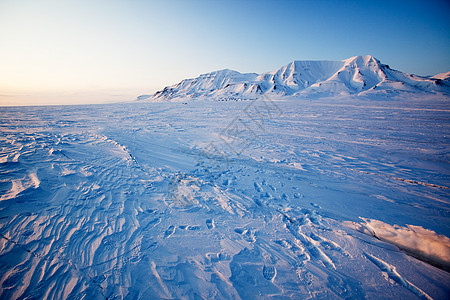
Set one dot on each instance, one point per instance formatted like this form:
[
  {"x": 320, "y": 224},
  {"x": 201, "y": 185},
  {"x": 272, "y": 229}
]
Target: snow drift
[{"x": 419, "y": 242}]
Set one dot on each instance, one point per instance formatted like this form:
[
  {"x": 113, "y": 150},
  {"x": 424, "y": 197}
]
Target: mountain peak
[{"x": 363, "y": 60}]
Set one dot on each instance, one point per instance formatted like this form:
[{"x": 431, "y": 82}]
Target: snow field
[{"x": 214, "y": 199}]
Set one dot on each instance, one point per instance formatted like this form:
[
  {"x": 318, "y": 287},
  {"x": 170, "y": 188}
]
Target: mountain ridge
[{"x": 357, "y": 75}]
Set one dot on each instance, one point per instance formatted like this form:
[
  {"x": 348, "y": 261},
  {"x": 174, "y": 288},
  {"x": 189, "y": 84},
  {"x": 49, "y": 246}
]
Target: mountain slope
[{"x": 358, "y": 75}]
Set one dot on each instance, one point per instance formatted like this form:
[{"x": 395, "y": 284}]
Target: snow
[
  {"x": 442, "y": 76},
  {"x": 240, "y": 199},
  {"x": 358, "y": 75},
  {"x": 421, "y": 242},
  {"x": 206, "y": 84}
]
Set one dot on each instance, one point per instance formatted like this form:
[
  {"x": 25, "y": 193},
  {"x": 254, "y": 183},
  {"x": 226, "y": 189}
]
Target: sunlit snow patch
[{"x": 417, "y": 241}]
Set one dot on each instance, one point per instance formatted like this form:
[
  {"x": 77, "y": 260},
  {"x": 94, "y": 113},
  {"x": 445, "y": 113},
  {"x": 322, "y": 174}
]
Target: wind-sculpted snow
[
  {"x": 418, "y": 241},
  {"x": 224, "y": 200}
]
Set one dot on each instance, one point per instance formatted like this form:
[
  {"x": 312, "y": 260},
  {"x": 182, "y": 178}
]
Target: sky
[{"x": 84, "y": 51}]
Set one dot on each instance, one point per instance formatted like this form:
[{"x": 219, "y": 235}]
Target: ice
[{"x": 213, "y": 199}]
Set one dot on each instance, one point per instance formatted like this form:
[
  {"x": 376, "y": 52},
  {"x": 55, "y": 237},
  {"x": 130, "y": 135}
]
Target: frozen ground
[{"x": 226, "y": 199}]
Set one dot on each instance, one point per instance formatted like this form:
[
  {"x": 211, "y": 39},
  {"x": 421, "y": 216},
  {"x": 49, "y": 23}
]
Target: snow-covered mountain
[{"x": 358, "y": 75}]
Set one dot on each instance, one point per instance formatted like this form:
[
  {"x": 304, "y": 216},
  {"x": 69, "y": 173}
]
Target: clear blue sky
[{"x": 85, "y": 51}]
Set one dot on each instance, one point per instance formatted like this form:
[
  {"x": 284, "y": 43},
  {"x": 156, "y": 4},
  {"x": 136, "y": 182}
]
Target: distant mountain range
[{"x": 358, "y": 75}]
